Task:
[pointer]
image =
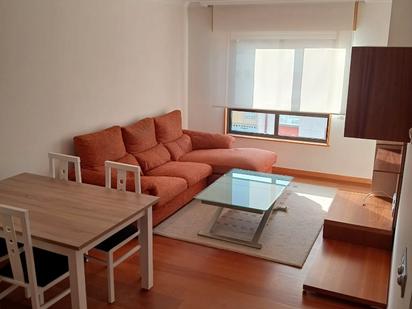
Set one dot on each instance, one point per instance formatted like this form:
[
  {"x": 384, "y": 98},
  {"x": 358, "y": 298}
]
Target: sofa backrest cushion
[
  {"x": 168, "y": 127},
  {"x": 140, "y": 136},
  {"x": 179, "y": 147},
  {"x": 95, "y": 148},
  {"x": 153, "y": 157}
]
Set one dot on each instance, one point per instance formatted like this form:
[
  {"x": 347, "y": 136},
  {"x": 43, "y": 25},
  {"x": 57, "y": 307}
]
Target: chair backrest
[
  {"x": 122, "y": 170},
  {"x": 62, "y": 167},
  {"x": 9, "y": 218}
]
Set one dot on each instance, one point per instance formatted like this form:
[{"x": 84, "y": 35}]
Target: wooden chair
[
  {"x": 63, "y": 166},
  {"x": 124, "y": 236},
  {"x": 34, "y": 269}
]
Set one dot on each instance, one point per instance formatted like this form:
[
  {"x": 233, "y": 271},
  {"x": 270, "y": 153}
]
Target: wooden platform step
[
  {"x": 348, "y": 220},
  {"x": 351, "y": 272}
]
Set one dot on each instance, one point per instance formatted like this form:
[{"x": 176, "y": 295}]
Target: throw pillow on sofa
[
  {"x": 205, "y": 140},
  {"x": 153, "y": 157},
  {"x": 179, "y": 147}
]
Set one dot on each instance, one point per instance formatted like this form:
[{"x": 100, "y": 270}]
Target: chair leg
[
  {"x": 41, "y": 298},
  {"x": 110, "y": 278},
  {"x": 27, "y": 293},
  {"x": 35, "y": 300}
]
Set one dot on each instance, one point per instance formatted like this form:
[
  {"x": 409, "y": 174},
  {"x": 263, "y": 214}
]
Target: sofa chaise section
[
  {"x": 216, "y": 150},
  {"x": 213, "y": 149}
]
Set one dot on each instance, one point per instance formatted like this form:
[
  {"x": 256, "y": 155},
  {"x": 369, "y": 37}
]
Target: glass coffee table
[{"x": 246, "y": 191}]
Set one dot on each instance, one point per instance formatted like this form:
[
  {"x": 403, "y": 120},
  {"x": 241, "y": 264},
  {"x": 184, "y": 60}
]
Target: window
[
  {"x": 252, "y": 122},
  {"x": 285, "y": 86},
  {"x": 304, "y": 127},
  {"x": 297, "y": 126}
]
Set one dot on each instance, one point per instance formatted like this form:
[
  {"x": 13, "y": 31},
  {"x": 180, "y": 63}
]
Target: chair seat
[
  {"x": 49, "y": 266},
  {"x": 117, "y": 238},
  {"x": 3, "y": 247}
]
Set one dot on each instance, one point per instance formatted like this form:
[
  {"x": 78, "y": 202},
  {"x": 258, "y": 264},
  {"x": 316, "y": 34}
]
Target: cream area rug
[{"x": 287, "y": 238}]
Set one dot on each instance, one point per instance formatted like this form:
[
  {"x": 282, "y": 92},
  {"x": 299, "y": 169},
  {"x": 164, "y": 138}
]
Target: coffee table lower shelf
[{"x": 254, "y": 242}]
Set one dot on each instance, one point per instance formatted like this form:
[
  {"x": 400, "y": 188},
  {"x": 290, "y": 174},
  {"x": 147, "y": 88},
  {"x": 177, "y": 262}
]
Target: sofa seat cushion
[
  {"x": 166, "y": 188},
  {"x": 192, "y": 172},
  {"x": 179, "y": 147},
  {"x": 95, "y": 148},
  {"x": 222, "y": 160}
]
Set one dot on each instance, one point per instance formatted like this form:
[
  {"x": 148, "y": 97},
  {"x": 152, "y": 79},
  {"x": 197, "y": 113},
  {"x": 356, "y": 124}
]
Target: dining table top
[{"x": 71, "y": 214}]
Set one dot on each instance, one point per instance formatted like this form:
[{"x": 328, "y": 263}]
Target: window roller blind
[{"x": 305, "y": 75}]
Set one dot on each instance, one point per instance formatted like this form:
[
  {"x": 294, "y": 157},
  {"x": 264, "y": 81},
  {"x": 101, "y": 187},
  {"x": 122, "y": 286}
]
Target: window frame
[{"x": 276, "y": 136}]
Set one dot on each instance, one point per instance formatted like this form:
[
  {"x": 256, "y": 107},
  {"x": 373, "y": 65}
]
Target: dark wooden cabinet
[{"x": 380, "y": 94}]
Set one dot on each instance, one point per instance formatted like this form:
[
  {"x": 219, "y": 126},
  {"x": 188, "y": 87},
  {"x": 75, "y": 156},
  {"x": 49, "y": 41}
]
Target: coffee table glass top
[{"x": 245, "y": 190}]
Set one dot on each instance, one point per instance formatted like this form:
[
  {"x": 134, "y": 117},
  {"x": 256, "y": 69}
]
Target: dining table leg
[
  {"x": 146, "y": 250},
  {"x": 77, "y": 280}
]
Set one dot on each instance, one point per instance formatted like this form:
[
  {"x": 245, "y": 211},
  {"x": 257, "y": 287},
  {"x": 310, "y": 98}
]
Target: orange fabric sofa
[{"x": 176, "y": 164}]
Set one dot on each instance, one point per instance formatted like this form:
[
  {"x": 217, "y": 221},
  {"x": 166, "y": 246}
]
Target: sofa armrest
[
  {"x": 149, "y": 185},
  {"x": 204, "y": 140}
]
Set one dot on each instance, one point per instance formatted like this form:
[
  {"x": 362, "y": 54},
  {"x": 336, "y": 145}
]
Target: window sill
[{"x": 281, "y": 140}]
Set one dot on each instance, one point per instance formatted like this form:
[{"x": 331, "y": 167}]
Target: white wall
[
  {"x": 71, "y": 67},
  {"x": 400, "y": 33},
  {"x": 207, "y": 81},
  {"x": 284, "y": 16},
  {"x": 373, "y": 23},
  {"x": 402, "y": 240}
]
